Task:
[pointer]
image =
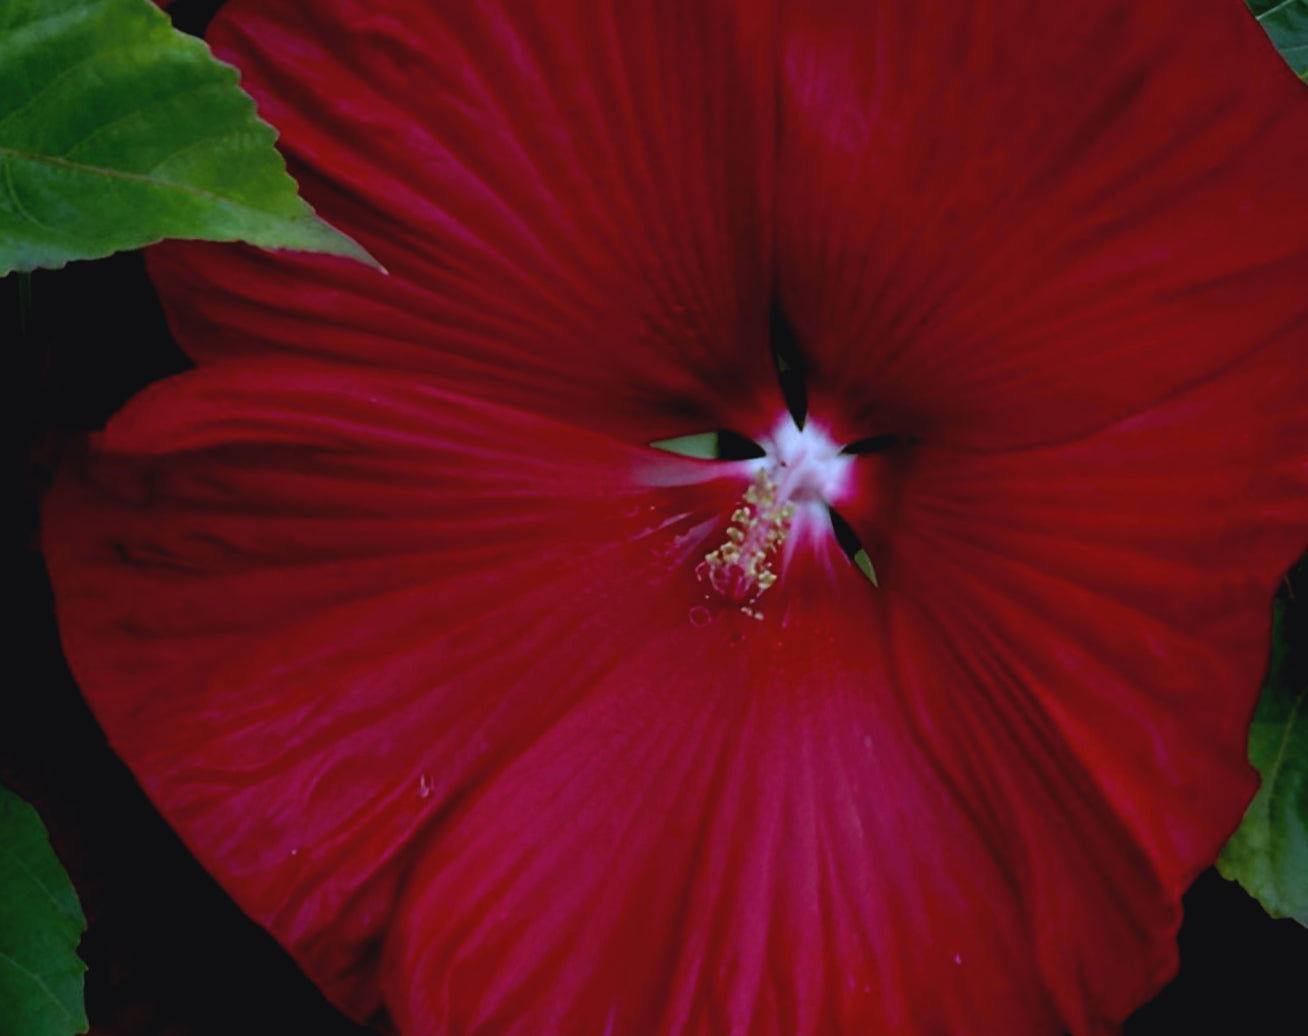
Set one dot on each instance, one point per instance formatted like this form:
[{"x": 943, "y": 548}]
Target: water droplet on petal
[{"x": 700, "y": 616}]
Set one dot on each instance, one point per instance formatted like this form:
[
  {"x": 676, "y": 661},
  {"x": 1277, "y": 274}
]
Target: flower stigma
[
  {"x": 802, "y": 473},
  {"x": 741, "y": 568}
]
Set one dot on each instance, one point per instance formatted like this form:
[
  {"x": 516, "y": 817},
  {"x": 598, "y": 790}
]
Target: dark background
[{"x": 168, "y": 952}]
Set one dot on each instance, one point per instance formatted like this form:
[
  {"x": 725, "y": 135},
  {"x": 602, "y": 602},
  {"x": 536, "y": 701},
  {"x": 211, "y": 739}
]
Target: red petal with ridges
[
  {"x": 767, "y": 852},
  {"x": 310, "y": 607},
  {"x": 1015, "y": 222},
  {"x": 1107, "y": 604},
  {"x": 570, "y": 200}
]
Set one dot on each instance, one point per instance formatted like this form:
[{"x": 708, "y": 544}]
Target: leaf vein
[
  {"x": 135, "y": 112},
  {"x": 21, "y": 209},
  {"x": 119, "y": 174},
  {"x": 1273, "y": 10},
  {"x": 89, "y": 59},
  {"x": 31, "y": 874},
  {"x": 54, "y": 16},
  {"x": 42, "y": 985},
  {"x": 1274, "y": 769},
  {"x": 194, "y": 145}
]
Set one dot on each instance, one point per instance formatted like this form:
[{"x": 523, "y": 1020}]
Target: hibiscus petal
[
  {"x": 968, "y": 802},
  {"x": 767, "y": 851},
  {"x": 1106, "y": 606},
  {"x": 569, "y": 198},
  {"x": 313, "y": 608},
  {"x": 417, "y": 678},
  {"x": 1016, "y": 222}
]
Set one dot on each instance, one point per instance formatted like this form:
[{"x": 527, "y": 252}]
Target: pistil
[
  {"x": 802, "y": 474},
  {"x": 741, "y": 568}
]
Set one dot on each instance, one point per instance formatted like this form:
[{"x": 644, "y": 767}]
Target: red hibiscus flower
[{"x": 503, "y": 721}]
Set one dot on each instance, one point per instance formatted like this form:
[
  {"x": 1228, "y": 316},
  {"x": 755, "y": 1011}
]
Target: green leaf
[
  {"x": 1268, "y": 855},
  {"x": 1286, "y": 22},
  {"x": 117, "y": 131},
  {"x": 41, "y": 923}
]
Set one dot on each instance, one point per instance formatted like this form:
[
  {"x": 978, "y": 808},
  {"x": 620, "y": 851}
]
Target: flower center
[{"x": 801, "y": 475}]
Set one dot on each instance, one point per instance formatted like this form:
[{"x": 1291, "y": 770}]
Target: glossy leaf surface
[{"x": 117, "y": 131}]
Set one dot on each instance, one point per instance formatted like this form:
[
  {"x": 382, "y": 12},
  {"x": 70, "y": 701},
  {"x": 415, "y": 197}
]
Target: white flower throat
[{"x": 803, "y": 473}]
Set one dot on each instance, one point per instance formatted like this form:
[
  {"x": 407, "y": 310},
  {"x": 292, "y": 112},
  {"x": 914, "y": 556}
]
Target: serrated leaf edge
[
  {"x": 346, "y": 245},
  {"x": 332, "y": 241}
]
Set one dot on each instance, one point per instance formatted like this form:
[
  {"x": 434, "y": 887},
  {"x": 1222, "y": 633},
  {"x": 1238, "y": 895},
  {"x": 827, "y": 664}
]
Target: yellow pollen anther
[{"x": 741, "y": 568}]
